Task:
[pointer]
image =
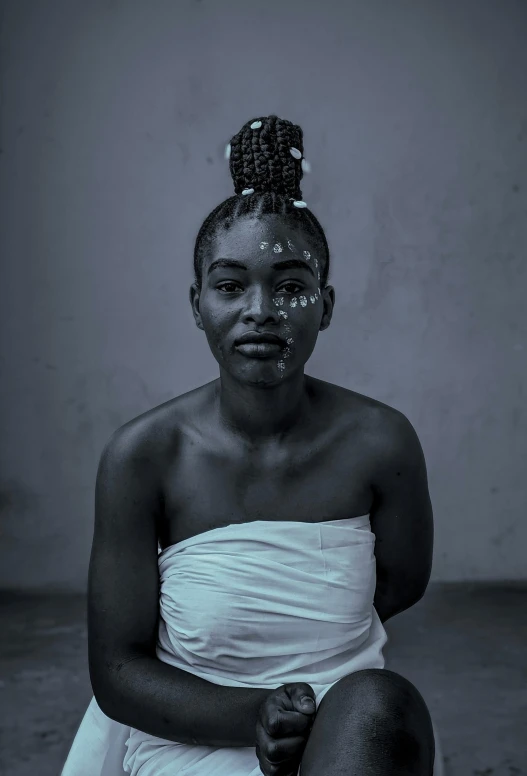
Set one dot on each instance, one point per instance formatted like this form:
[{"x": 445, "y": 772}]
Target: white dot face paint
[
  {"x": 293, "y": 302},
  {"x": 303, "y": 301},
  {"x": 312, "y": 299},
  {"x": 286, "y": 352},
  {"x": 307, "y": 255},
  {"x": 279, "y": 301},
  {"x": 290, "y": 245},
  {"x": 281, "y": 365},
  {"x": 316, "y": 263},
  {"x": 319, "y": 291},
  {"x": 278, "y": 248},
  {"x": 282, "y": 314},
  {"x": 264, "y": 245},
  {"x": 289, "y": 340}
]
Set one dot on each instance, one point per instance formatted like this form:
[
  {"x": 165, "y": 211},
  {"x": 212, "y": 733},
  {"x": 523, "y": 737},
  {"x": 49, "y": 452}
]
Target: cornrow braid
[{"x": 266, "y": 164}]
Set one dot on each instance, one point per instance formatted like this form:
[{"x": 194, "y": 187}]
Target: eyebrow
[{"x": 277, "y": 265}]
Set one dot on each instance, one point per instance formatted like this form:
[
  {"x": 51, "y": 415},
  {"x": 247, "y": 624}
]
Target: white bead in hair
[
  {"x": 306, "y": 166},
  {"x": 299, "y": 203},
  {"x": 296, "y": 153},
  {"x": 256, "y": 125},
  {"x": 228, "y": 151},
  {"x": 248, "y": 191}
]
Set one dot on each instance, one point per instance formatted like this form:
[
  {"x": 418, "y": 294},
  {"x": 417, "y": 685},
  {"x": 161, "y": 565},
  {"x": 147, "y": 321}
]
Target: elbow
[
  {"x": 415, "y": 593},
  {"x": 421, "y": 584},
  {"x": 107, "y": 708},
  {"x": 107, "y": 692},
  {"x": 392, "y": 599},
  {"x": 114, "y": 687},
  {"x": 104, "y": 695},
  {"x": 420, "y": 592}
]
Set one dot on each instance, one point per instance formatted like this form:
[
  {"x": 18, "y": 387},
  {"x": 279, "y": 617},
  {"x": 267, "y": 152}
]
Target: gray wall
[{"x": 114, "y": 120}]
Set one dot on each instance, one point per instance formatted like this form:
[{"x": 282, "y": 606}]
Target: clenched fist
[{"x": 284, "y": 722}]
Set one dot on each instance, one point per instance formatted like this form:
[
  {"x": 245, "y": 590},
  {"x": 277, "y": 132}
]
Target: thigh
[{"x": 365, "y": 717}]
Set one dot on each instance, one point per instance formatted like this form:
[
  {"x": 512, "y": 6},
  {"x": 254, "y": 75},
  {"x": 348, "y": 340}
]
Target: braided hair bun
[
  {"x": 266, "y": 156},
  {"x": 266, "y": 163}
]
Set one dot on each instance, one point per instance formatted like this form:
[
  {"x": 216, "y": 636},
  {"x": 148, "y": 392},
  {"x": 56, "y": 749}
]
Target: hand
[{"x": 283, "y": 727}]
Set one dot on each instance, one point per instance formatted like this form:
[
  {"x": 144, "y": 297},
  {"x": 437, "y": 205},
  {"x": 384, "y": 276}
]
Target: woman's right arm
[{"x": 130, "y": 684}]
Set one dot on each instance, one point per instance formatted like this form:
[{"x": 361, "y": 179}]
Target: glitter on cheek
[
  {"x": 293, "y": 302},
  {"x": 303, "y": 301},
  {"x": 282, "y": 314},
  {"x": 278, "y": 248},
  {"x": 306, "y": 255},
  {"x": 264, "y": 245}
]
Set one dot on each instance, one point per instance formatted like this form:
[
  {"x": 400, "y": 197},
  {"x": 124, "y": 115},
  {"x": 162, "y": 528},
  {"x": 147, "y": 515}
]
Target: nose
[{"x": 260, "y": 308}]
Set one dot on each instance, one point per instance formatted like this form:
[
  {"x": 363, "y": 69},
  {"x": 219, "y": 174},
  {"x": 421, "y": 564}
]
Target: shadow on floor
[{"x": 463, "y": 646}]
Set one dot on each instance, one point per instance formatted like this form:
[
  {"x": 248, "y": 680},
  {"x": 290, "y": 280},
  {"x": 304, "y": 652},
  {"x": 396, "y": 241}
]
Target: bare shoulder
[
  {"x": 157, "y": 432},
  {"x": 380, "y": 428}
]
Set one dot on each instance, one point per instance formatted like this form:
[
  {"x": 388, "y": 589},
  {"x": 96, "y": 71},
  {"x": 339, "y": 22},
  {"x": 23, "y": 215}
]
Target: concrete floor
[{"x": 463, "y": 646}]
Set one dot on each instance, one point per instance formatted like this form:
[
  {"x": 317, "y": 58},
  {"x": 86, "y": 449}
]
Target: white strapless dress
[{"x": 256, "y": 604}]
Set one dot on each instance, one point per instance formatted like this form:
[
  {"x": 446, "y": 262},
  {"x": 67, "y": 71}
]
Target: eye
[
  {"x": 291, "y": 287},
  {"x": 228, "y": 287}
]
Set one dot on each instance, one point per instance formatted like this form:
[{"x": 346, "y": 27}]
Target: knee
[
  {"x": 384, "y": 709},
  {"x": 377, "y": 694}
]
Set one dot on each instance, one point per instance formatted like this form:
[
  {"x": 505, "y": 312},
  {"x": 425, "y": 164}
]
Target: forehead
[{"x": 246, "y": 236}]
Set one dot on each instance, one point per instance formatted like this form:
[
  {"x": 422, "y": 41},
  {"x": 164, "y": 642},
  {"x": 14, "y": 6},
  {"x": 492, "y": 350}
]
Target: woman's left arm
[{"x": 401, "y": 519}]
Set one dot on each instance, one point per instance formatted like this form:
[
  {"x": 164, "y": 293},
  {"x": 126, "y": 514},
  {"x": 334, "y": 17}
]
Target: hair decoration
[
  {"x": 248, "y": 191},
  {"x": 295, "y": 153},
  {"x": 256, "y": 125},
  {"x": 299, "y": 203}
]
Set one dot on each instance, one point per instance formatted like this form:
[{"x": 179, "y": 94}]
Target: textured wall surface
[{"x": 114, "y": 117}]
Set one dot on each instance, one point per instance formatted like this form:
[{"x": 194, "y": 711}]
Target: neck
[{"x": 260, "y": 414}]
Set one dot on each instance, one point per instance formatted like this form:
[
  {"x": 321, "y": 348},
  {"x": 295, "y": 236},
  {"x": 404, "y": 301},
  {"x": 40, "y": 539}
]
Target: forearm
[{"x": 170, "y": 703}]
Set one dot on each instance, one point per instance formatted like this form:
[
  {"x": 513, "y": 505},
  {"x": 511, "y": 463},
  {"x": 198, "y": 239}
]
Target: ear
[
  {"x": 194, "y": 297},
  {"x": 328, "y": 297}
]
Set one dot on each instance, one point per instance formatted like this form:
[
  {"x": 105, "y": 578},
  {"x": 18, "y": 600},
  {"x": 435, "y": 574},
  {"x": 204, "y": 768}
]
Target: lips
[
  {"x": 259, "y": 344},
  {"x": 259, "y": 337}
]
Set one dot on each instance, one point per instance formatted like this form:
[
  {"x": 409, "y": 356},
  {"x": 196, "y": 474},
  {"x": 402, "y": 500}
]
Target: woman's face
[{"x": 262, "y": 277}]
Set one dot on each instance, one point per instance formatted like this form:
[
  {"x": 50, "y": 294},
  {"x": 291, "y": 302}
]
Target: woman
[{"x": 252, "y": 535}]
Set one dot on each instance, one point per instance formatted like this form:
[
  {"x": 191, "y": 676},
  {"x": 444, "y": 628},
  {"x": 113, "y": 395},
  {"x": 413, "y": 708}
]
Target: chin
[
  {"x": 260, "y": 374},
  {"x": 261, "y": 383}
]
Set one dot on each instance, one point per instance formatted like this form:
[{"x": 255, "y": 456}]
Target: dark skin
[{"x": 270, "y": 443}]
